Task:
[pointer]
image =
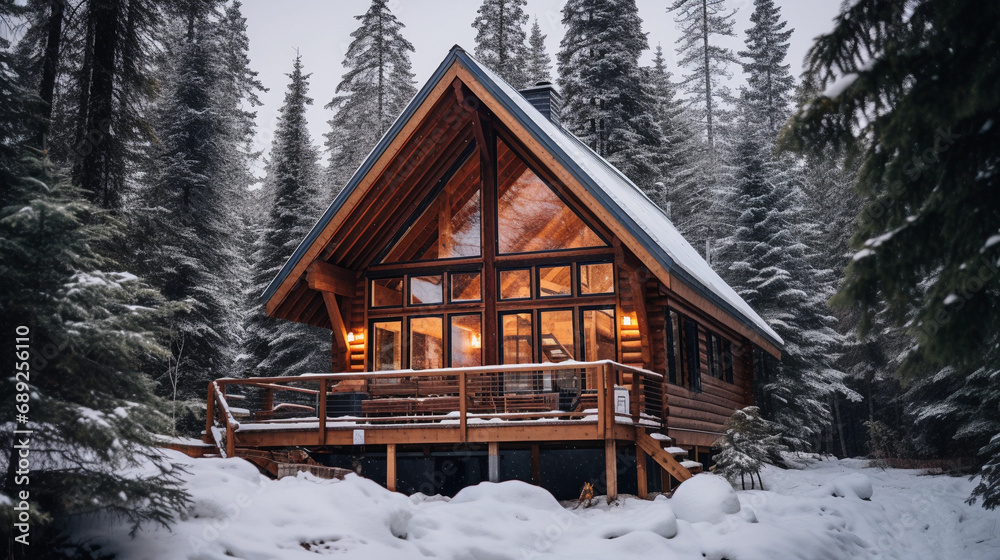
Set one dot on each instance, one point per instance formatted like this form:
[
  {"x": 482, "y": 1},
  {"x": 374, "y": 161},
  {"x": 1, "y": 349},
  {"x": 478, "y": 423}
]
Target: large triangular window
[
  {"x": 531, "y": 217},
  {"x": 449, "y": 225}
]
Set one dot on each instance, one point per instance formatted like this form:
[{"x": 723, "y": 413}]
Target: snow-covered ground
[{"x": 814, "y": 513}]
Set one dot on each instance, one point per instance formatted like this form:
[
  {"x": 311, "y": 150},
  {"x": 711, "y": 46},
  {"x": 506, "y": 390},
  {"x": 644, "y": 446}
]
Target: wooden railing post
[
  {"x": 210, "y": 416},
  {"x": 637, "y": 397},
  {"x": 597, "y": 377},
  {"x": 230, "y": 441},
  {"x": 609, "y": 400},
  {"x": 463, "y": 406},
  {"x": 322, "y": 411}
]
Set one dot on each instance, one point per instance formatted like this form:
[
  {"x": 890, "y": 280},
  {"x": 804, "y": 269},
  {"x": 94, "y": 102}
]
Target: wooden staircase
[{"x": 672, "y": 459}]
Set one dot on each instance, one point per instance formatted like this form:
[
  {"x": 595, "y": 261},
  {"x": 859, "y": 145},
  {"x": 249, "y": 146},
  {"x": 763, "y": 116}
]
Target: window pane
[
  {"x": 597, "y": 278},
  {"x": 426, "y": 290},
  {"x": 557, "y": 335},
  {"x": 555, "y": 281},
  {"x": 466, "y": 286},
  {"x": 450, "y": 225},
  {"x": 599, "y": 335},
  {"x": 531, "y": 216},
  {"x": 387, "y": 345},
  {"x": 466, "y": 340},
  {"x": 517, "y": 338},
  {"x": 675, "y": 350},
  {"x": 426, "y": 343},
  {"x": 515, "y": 284},
  {"x": 387, "y": 292}
]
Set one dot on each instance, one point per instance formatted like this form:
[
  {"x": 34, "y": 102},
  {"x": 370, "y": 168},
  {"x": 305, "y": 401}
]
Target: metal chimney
[{"x": 544, "y": 97}]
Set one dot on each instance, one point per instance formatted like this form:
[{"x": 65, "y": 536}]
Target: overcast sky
[{"x": 321, "y": 29}]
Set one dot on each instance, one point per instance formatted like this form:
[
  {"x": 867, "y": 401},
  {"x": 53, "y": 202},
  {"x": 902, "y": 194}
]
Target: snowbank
[{"x": 236, "y": 513}]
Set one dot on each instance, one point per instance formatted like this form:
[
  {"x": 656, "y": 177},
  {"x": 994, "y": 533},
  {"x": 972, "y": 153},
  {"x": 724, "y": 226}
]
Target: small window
[
  {"x": 599, "y": 334},
  {"x": 387, "y": 292},
  {"x": 693, "y": 360},
  {"x": 387, "y": 345},
  {"x": 426, "y": 343},
  {"x": 715, "y": 366},
  {"x": 675, "y": 348},
  {"x": 466, "y": 340},
  {"x": 556, "y": 336},
  {"x": 555, "y": 281},
  {"x": 515, "y": 284},
  {"x": 517, "y": 340},
  {"x": 597, "y": 278},
  {"x": 466, "y": 286},
  {"x": 426, "y": 290},
  {"x": 727, "y": 360}
]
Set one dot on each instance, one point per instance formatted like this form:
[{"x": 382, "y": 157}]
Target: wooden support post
[
  {"x": 640, "y": 468},
  {"x": 390, "y": 467},
  {"x": 463, "y": 407},
  {"x": 230, "y": 440},
  {"x": 210, "y": 416},
  {"x": 602, "y": 404},
  {"x": 322, "y": 411},
  {"x": 666, "y": 483},
  {"x": 536, "y": 464},
  {"x": 609, "y": 401},
  {"x": 494, "y": 461},
  {"x": 637, "y": 397},
  {"x": 611, "y": 469}
]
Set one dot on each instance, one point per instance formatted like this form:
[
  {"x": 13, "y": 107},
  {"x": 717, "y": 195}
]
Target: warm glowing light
[
  {"x": 627, "y": 321},
  {"x": 350, "y": 337},
  {"x": 476, "y": 342}
]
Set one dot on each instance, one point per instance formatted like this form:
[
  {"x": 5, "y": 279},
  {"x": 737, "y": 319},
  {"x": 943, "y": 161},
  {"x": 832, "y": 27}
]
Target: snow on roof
[
  {"x": 608, "y": 185},
  {"x": 620, "y": 193}
]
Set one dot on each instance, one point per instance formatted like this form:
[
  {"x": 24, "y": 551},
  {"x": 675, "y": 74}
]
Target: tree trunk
[
  {"x": 96, "y": 165},
  {"x": 50, "y": 66}
]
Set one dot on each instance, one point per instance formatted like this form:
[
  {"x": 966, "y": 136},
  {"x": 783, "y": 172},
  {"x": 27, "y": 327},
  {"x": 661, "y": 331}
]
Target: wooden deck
[{"x": 569, "y": 401}]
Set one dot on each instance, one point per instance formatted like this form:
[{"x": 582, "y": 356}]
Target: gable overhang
[{"x": 513, "y": 116}]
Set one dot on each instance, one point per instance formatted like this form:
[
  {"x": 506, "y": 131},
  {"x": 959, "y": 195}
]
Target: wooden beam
[
  {"x": 322, "y": 411},
  {"x": 390, "y": 467},
  {"x": 325, "y": 277},
  {"x": 611, "y": 469},
  {"x": 336, "y": 321},
  {"x": 536, "y": 464},
  {"x": 640, "y": 469},
  {"x": 210, "y": 416},
  {"x": 494, "y": 461}
]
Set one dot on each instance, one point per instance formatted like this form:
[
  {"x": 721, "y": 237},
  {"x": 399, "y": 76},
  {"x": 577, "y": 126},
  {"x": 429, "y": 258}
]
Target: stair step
[
  {"x": 676, "y": 451},
  {"x": 664, "y": 439},
  {"x": 694, "y": 466}
]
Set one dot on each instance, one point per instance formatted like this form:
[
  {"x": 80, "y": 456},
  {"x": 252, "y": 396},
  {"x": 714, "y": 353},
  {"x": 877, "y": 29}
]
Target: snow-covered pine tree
[
  {"x": 605, "y": 101},
  {"x": 749, "y": 443},
  {"x": 272, "y": 346},
  {"x": 911, "y": 97},
  {"x": 501, "y": 43},
  {"x": 184, "y": 220},
  {"x": 769, "y": 84},
  {"x": 539, "y": 63},
  {"x": 91, "y": 413},
  {"x": 707, "y": 64},
  {"x": 681, "y": 152},
  {"x": 373, "y": 92}
]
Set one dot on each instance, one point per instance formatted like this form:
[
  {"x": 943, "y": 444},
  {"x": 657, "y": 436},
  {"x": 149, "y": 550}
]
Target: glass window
[
  {"x": 556, "y": 335},
  {"x": 597, "y": 278},
  {"x": 466, "y": 286},
  {"x": 426, "y": 343},
  {"x": 727, "y": 359},
  {"x": 599, "y": 335},
  {"x": 715, "y": 365},
  {"x": 675, "y": 349},
  {"x": 515, "y": 284},
  {"x": 426, "y": 290},
  {"x": 387, "y": 345},
  {"x": 449, "y": 227},
  {"x": 466, "y": 340},
  {"x": 692, "y": 354},
  {"x": 387, "y": 292},
  {"x": 555, "y": 281},
  {"x": 517, "y": 340},
  {"x": 530, "y": 216}
]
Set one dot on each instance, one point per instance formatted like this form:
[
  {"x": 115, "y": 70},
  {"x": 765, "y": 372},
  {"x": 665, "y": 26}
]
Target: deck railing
[{"x": 568, "y": 391}]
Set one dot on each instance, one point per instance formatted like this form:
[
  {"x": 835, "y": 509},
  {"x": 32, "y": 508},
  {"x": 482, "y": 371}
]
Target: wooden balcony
[{"x": 569, "y": 401}]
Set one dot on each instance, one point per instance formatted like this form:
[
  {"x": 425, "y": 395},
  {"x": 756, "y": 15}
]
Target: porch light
[
  {"x": 350, "y": 338},
  {"x": 476, "y": 341},
  {"x": 627, "y": 321}
]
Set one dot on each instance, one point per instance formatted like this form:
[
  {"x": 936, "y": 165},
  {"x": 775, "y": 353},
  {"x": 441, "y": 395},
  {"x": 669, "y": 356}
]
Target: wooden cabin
[{"x": 504, "y": 301}]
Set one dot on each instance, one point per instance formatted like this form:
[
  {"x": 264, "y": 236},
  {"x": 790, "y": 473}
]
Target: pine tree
[
  {"x": 90, "y": 413},
  {"x": 605, "y": 101},
  {"x": 911, "y": 97},
  {"x": 749, "y": 443},
  {"x": 706, "y": 63},
  {"x": 682, "y": 155},
  {"x": 538, "y": 61},
  {"x": 373, "y": 92},
  {"x": 275, "y": 347},
  {"x": 769, "y": 84},
  {"x": 500, "y": 40},
  {"x": 184, "y": 222}
]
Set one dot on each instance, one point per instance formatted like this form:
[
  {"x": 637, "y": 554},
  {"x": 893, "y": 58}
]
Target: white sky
[{"x": 320, "y": 30}]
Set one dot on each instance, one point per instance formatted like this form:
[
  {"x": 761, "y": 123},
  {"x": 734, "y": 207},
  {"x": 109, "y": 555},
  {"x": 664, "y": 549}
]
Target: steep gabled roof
[{"x": 621, "y": 198}]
